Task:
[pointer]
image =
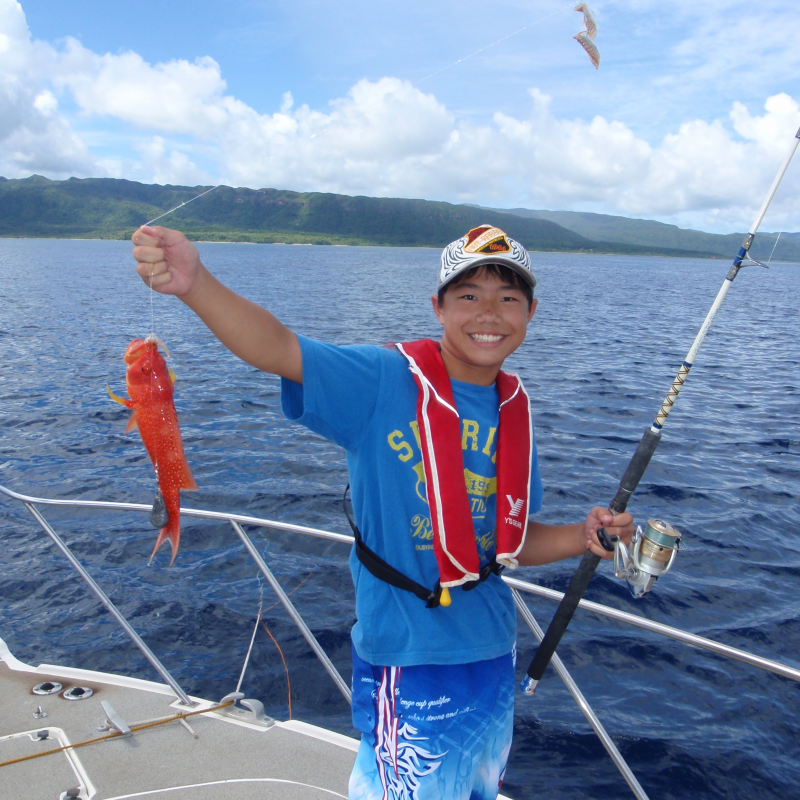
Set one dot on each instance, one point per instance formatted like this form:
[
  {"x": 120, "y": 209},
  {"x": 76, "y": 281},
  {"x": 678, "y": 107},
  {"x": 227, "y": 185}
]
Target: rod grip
[
  {"x": 583, "y": 575},
  {"x": 566, "y": 608}
]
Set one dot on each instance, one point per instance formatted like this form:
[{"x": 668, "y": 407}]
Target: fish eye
[{"x": 146, "y": 369}]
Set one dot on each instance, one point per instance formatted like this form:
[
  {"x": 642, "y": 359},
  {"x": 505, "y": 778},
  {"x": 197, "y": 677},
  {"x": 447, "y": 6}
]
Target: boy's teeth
[{"x": 485, "y": 337}]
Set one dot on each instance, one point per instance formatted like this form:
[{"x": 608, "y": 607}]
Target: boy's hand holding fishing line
[
  {"x": 166, "y": 260},
  {"x": 249, "y": 331}
]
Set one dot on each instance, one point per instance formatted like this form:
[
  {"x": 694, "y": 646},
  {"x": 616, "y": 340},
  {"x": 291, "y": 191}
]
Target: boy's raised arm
[{"x": 171, "y": 262}]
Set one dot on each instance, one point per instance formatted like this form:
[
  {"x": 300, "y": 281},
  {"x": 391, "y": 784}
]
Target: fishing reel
[{"x": 652, "y": 553}]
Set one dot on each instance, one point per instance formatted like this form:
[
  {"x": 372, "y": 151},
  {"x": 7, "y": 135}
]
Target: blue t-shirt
[{"x": 364, "y": 399}]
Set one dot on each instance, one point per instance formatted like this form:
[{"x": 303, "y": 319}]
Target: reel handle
[{"x": 607, "y": 541}]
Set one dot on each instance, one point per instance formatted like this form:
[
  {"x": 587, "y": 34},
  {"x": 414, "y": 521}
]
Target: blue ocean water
[{"x": 602, "y": 350}]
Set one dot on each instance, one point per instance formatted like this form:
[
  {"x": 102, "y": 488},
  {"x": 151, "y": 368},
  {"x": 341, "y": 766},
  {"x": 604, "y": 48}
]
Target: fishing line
[
  {"x": 285, "y": 668},
  {"x": 158, "y": 514},
  {"x": 466, "y": 58},
  {"x": 148, "y": 224},
  {"x": 773, "y": 247},
  {"x": 483, "y": 49},
  {"x": 288, "y": 594},
  {"x": 152, "y": 312},
  {"x": 255, "y": 630},
  {"x": 259, "y": 619},
  {"x": 166, "y": 213}
]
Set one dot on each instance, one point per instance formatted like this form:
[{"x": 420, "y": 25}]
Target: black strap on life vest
[{"x": 384, "y": 571}]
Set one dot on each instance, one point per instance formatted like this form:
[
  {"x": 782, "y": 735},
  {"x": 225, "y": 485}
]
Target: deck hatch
[{"x": 43, "y": 781}]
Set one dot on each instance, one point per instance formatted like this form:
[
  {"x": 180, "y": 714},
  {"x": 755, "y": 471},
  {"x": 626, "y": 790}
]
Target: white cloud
[
  {"x": 373, "y": 137},
  {"x": 384, "y": 138},
  {"x": 569, "y": 160},
  {"x": 45, "y": 102},
  {"x": 175, "y": 97},
  {"x": 163, "y": 165},
  {"x": 389, "y": 139},
  {"x": 33, "y": 137},
  {"x": 705, "y": 169}
]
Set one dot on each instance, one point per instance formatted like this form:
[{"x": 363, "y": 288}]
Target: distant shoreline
[{"x": 692, "y": 256}]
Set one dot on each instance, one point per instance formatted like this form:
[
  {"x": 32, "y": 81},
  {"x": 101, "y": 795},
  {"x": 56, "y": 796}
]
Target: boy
[{"x": 444, "y": 475}]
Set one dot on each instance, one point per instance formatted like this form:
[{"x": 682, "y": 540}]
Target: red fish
[{"x": 150, "y": 388}]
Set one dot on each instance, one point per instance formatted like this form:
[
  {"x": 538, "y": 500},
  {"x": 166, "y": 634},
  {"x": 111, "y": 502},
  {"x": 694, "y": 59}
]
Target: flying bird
[
  {"x": 588, "y": 20},
  {"x": 589, "y": 46}
]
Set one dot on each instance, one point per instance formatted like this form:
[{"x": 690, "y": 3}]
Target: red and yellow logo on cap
[{"x": 487, "y": 240}]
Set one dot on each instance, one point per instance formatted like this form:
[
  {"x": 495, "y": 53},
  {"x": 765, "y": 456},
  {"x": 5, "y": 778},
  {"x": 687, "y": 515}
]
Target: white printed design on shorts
[{"x": 401, "y": 762}]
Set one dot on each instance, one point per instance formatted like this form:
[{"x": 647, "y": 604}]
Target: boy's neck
[{"x": 459, "y": 370}]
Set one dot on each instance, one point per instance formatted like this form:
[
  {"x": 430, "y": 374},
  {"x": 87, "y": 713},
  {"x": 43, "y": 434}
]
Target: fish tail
[
  {"x": 162, "y": 535},
  {"x": 174, "y": 540},
  {"x": 173, "y": 533}
]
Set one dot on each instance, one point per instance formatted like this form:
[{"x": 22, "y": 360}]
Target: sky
[{"x": 689, "y": 116}]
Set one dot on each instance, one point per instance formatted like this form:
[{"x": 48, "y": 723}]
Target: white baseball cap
[{"x": 484, "y": 245}]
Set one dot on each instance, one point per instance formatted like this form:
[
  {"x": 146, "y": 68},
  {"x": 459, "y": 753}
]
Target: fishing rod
[{"x": 653, "y": 550}]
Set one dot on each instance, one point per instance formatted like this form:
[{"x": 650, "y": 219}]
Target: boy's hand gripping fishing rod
[{"x": 659, "y": 538}]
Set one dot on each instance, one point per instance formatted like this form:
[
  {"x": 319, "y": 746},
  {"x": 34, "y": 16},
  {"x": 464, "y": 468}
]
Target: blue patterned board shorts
[{"x": 432, "y": 732}]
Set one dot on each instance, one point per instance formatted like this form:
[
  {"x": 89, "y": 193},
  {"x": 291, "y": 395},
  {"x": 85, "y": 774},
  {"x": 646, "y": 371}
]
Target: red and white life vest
[{"x": 440, "y": 439}]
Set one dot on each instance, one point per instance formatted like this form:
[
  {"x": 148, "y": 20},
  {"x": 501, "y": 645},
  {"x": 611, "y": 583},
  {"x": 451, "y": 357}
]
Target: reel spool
[{"x": 653, "y": 552}]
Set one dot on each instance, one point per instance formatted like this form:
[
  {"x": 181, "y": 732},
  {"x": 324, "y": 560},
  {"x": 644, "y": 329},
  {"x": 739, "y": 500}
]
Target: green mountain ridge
[
  {"x": 112, "y": 208},
  {"x": 607, "y": 228}
]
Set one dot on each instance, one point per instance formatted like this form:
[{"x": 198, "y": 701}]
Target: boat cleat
[
  {"x": 114, "y": 720},
  {"x": 246, "y": 710}
]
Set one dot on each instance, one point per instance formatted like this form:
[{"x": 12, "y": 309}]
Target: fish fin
[
  {"x": 133, "y": 423},
  {"x": 121, "y": 400},
  {"x": 172, "y": 377},
  {"x": 188, "y": 483}
]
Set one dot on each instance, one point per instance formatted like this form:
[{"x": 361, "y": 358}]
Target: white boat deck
[{"x": 229, "y": 758}]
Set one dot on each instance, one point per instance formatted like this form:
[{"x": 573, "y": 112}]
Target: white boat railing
[{"x": 237, "y": 521}]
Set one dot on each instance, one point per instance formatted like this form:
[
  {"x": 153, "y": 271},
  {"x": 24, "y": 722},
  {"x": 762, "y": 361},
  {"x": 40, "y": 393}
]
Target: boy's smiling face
[{"x": 485, "y": 319}]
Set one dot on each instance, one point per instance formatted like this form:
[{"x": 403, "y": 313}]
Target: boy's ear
[
  {"x": 437, "y": 309},
  {"x": 532, "y": 311}
]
